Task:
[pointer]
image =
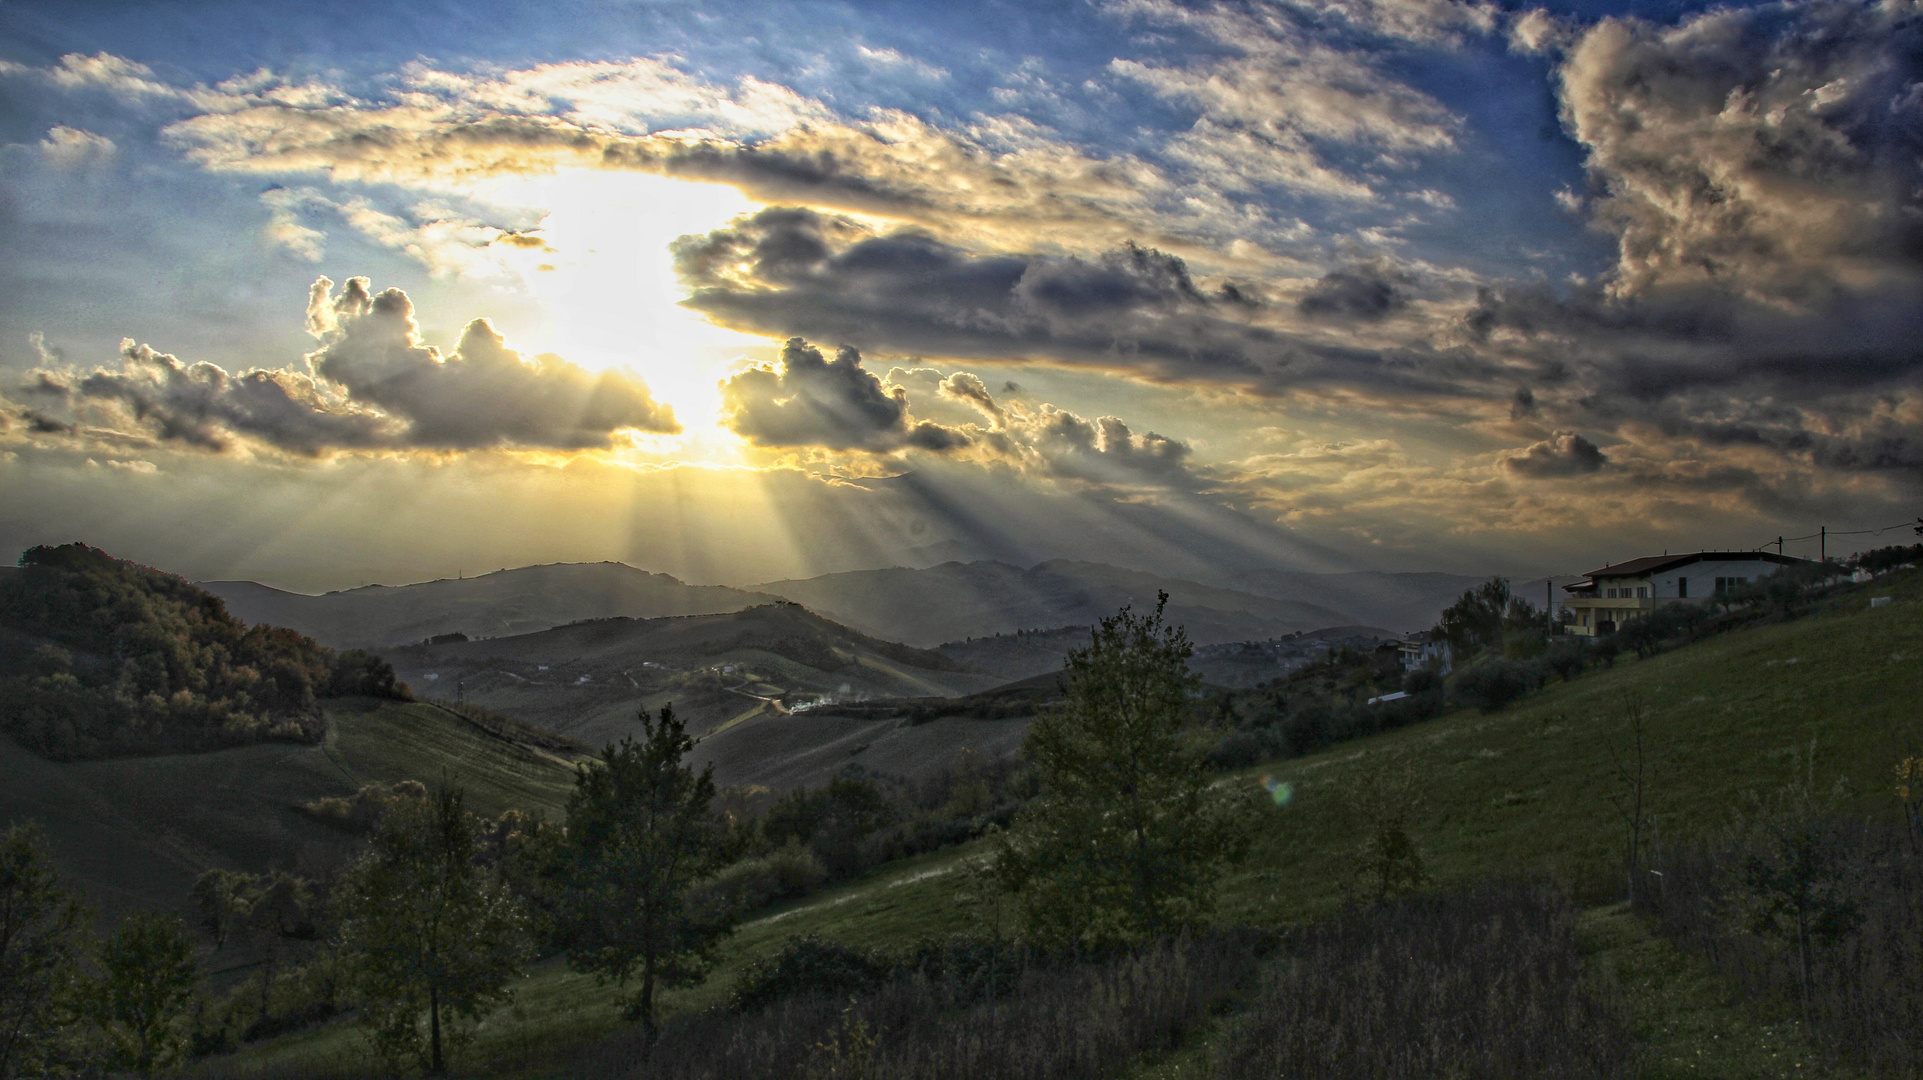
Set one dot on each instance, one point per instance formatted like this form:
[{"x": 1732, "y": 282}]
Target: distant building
[
  {"x": 1617, "y": 593},
  {"x": 1425, "y": 648}
]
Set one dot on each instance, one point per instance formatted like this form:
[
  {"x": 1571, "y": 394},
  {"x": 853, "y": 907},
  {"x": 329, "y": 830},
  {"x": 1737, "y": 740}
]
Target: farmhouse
[{"x": 1620, "y": 592}]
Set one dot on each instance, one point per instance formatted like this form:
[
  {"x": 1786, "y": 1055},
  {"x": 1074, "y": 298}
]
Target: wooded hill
[{"x": 100, "y": 657}]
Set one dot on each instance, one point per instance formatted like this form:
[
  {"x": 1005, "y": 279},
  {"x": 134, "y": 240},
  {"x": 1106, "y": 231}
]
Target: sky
[{"x": 324, "y": 295}]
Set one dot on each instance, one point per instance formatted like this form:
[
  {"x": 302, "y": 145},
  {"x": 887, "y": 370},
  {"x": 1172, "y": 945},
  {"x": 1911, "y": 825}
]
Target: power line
[{"x": 1778, "y": 543}]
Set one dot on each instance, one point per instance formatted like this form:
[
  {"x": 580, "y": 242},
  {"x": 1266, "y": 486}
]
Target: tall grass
[
  {"x": 1055, "y": 1022},
  {"x": 1854, "y": 971},
  {"x": 1483, "y": 984}
]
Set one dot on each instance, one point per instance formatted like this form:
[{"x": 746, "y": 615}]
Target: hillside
[
  {"x": 590, "y": 680},
  {"x": 1520, "y": 792},
  {"x": 135, "y": 833},
  {"x": 492, "y": 605},
  {"x": 100, "y": 657},
  {"x": 961, "y": 600}
]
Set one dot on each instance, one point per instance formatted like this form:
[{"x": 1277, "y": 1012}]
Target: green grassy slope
[
  {"x": 135, "y": 832},
  {"x": 419, "y": 741},
  {"x": 1519, "y": 792}
]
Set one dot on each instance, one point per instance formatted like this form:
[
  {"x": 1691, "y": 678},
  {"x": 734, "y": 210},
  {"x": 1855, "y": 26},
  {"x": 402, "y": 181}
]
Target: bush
[
  {"x": 809, "y": 965},
  {"x": 1484, "y": 985},
  {"x": 956, "y": 1012},
  {"x": 784, "y": 873},
  {"x": 1816, "y": 914},
  {"x": 1567, "y": 657},
  {"x": 1492, "y": 685}
]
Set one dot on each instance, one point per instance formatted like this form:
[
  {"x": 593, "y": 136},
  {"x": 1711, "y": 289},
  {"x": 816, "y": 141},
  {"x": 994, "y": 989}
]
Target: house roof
[{"x": 1656, "y": 564}]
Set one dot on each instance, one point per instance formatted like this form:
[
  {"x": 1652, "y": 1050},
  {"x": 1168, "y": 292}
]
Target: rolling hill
[
  {"x": 134, "y": 833},
  {"x": 1523, "y": 792},
  {"x": 591, "y": 679},
  {"x": 961, "y": 600},
  {"x": 505, "y": 602}
]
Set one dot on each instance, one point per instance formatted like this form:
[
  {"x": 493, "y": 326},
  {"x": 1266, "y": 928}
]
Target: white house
[
  {"x": 1424, "y": 648},
  {"x": 1622, "y": 591}
]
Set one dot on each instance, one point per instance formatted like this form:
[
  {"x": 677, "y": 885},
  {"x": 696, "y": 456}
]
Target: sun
[{"x": 606, "y": 279}]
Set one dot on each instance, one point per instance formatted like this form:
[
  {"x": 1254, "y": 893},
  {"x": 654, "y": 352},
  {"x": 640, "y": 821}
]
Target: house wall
[{"x": 1702, "y": 576}]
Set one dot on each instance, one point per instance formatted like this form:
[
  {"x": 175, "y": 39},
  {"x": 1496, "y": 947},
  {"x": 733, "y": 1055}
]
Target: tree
[
  {"x": 640, "y": 834},
  {"x": 427, "y": 929},
  {"x": 1129, "y": 836},
  {"x": 1385, "y": 800},
  {"x": 41, "y": 935},
  {"x": 148, "y": 976}
]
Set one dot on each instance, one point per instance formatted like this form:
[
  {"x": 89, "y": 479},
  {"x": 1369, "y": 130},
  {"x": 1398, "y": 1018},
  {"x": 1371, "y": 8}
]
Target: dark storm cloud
[
  {"x": 1562, "y": 454},
  {"x": 1368, "y": 291},
  {"x": 1137, "y": 310},
  {"x": 808, "y": 400},
  {"x": 375, "y": 387}
]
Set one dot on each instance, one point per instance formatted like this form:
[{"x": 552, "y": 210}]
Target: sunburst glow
[{"x": 606, "y": 279}]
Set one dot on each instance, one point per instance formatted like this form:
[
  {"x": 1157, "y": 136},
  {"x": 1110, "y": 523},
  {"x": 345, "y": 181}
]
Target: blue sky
[{"x": 1337, "y": 284}]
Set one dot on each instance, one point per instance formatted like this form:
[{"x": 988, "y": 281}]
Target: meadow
[{"x": 1526, "y": 793}]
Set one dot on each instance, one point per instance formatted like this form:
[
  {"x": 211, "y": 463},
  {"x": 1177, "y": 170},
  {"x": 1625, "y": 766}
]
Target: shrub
[
  {"x": 948, "y": 1020},
  {"x": 1818, "y": 914},
  {"x": 784, "y": 873},
  {"x": 1567, "y": 657},
  {"x": 809, "y": 965},
  {"x": 1484, "y": 985},
  {"x": 1492, "y": 685}
]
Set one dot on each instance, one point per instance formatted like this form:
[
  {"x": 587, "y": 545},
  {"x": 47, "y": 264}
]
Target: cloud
[
  {"x": 374, "y": 386},
  {"x": 968, "y": 388},
  {"x": 71, "y": 148},
  {"x": 1134, "y": 310},
  {"x": 1772, "y": 150},
  {"x": 1563, "y": 454},
  {"x": 483, "y": 394},
  {"x": 1366, "y": 291},
  {"x": 1536, "y": 32},
  {"x": 807, "y": 400},
  {"x": 1287, "y": 107}
]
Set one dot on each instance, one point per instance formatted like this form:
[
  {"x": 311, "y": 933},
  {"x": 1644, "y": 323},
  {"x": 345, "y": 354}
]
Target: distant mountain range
[
  {"x": 929, "y": 606},
  {"x": 505, "y": 602},
  {"x": 955, "y": 601}
]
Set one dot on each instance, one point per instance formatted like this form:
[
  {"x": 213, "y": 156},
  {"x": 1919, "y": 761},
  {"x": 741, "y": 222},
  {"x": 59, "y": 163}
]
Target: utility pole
[
  {"x": 1779, "y": 545},
  {"x": 1823, "y": 543}
]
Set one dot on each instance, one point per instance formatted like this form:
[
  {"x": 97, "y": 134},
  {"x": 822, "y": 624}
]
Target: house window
[
  {"x": 1642, "y": 592},
  {"x": 1682, "y": 587},
  {"x": 1610, "y": 593},
  {"x": 1724, "y": 584}
]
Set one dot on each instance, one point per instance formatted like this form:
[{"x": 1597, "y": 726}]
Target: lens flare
[{"x": 1281, "y": 791}]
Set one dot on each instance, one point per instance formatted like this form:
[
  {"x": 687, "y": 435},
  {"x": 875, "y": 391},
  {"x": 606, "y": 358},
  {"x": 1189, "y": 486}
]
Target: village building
[{"x": 1620, "y": 592}]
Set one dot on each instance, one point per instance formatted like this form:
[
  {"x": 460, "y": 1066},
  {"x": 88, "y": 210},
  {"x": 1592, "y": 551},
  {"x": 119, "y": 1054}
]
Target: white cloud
[{"x": 71, "y": 148}]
